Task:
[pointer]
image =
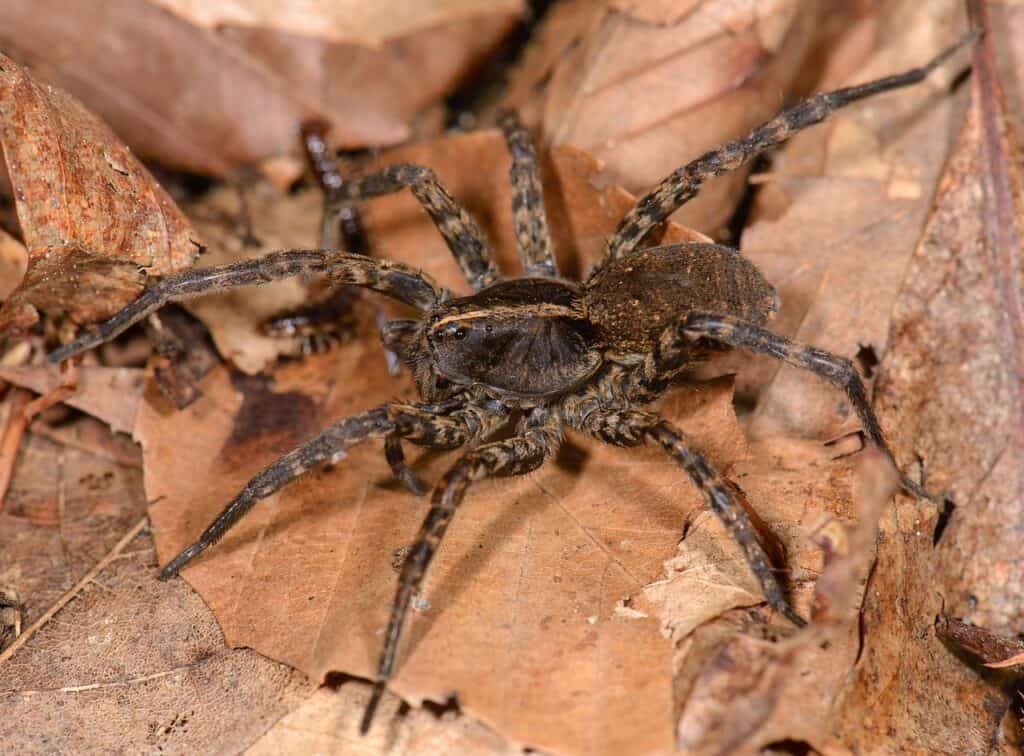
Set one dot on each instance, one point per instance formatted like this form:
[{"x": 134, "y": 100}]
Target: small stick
[{"x": 11, "y": 440}]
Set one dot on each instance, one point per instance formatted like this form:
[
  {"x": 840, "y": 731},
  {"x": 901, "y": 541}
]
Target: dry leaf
[
  {"x": 214, "y": 101},
  {"x": 325, "y": 724},
  {"x": 647, "y": 86},
  {"x": 525, "y": 588},
  {"x": 357, "y": 21},
  {"x": 13, "y": 261},
  {"x": 108, "y": 394},
  {"x": 131, "y": 662},
  {"x": 956, "y": 346},
  {"x": 94, "y": 221},
  {"x": 836, "y": 238}
]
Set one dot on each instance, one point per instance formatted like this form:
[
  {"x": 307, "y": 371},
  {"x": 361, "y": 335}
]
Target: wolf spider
[{"x": 548, "y": 351}]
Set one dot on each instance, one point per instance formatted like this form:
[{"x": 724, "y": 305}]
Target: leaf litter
[
  {"x": 93, "y": 220},
  {"x": 708, "y": 673},
  {"x": 215, "y": 101}
]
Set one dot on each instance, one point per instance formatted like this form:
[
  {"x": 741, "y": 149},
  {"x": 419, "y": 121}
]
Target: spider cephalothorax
[{"x": 550, "y": 352}]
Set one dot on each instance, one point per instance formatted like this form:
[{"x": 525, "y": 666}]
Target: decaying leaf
[
  {"x": 525, "y": 587},
  {"x": 212, "y": 101},
  {"x": 130, "y": 662},
  {"x": 94, "y": 221},
  {"x": 646, "y": 86}
]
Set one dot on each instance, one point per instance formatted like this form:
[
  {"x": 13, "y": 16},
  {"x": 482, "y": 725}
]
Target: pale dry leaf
[
  {"x": 108, "y": 394},
  {"x": 752, "y": 693},
  {"x": 213, "y": 102},
  {"x": 358, "y": 21},
  {"x": 326, "y": 724},
  {"x": 836, "y": 238},
  {"x": 645, "y": 94},
  {"x": 656, "y": 11},
  {"x": 93, "y": 219}
]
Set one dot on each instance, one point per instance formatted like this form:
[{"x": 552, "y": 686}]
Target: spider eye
[{"x": 459, "y": 334}]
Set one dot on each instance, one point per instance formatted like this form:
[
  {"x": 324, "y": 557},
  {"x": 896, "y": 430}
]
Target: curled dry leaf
[
  {"x": 212, "y": 101},
  {"x": 994, "y": 651},
  {"x": 94, "y": 221},
  {"x": 958, "y": 337},
  {"x": 646, "y": 85}
]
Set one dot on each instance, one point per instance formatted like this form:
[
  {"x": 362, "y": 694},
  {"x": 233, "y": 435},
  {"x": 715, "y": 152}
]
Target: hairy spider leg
[
  {"x": 530, "y": 221},
  {"x": 453, "y": 221},
  {"x": 682, "y": 185},
  {"x": 396, "y": 280},
  {"x": 538, "y": 438},
  {"x": 626, "y": 427},
  {"x": 341, "y": 226},
  {"x": 837, "y": 370},
  {"x": 444, "y": 432},
  {"x": 330, "y": 319},
  {"x": 400, "y": 469}
]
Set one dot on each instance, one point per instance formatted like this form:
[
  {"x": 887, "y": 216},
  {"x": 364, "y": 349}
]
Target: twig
[
  {"x": 74, "y": 590},
  {"x": 99, "y": 686},
  {"x": 11, "y": 439}
]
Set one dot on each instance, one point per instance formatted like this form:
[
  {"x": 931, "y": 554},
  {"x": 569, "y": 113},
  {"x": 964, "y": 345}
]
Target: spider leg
[
  {"x": 340, "y": 225},
  {"x": 514, "y": 456},
  {"x": 533, "y": 239},
  {"x": 393, "y": 279},
  {"x": 682, "y": 185},
  {"x": 837, "y": 370},
  {"x": 632, "y": 428},
  {"x": 390, "y": 420},
  {"x": 453, "y": 221}
]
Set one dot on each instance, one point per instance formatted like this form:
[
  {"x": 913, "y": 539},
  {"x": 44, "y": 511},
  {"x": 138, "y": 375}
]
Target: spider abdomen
[{"x": 633, "y": 299}]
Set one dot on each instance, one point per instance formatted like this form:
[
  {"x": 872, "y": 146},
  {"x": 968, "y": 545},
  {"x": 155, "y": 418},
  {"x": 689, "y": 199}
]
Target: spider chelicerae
[{"x": 539, "y": 350}]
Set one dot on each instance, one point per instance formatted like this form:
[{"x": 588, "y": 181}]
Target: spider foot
[{"x": 371, "y": 707}]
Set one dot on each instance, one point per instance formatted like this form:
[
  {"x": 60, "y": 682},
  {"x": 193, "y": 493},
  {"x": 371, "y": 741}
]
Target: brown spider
[{"x": 549, "y": 351}]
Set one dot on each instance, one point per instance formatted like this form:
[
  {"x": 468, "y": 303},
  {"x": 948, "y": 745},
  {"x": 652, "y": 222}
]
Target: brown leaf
[
  {"x": 545, "y": 559},
  {"x": 326, "y": 724},
  {"x": 212, "y": 101},
  {"x": 994, "y": 651},
  {"x": 647, "y": 86},
  {"x": 130, "y": 662},
  {"x": 13, "y": 261},
  {"x": 956, "y": 346},
  {"x": 94, "y": 221}
]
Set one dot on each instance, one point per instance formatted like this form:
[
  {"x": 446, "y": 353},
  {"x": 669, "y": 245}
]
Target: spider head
[{"x": 523, "y": 338}]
